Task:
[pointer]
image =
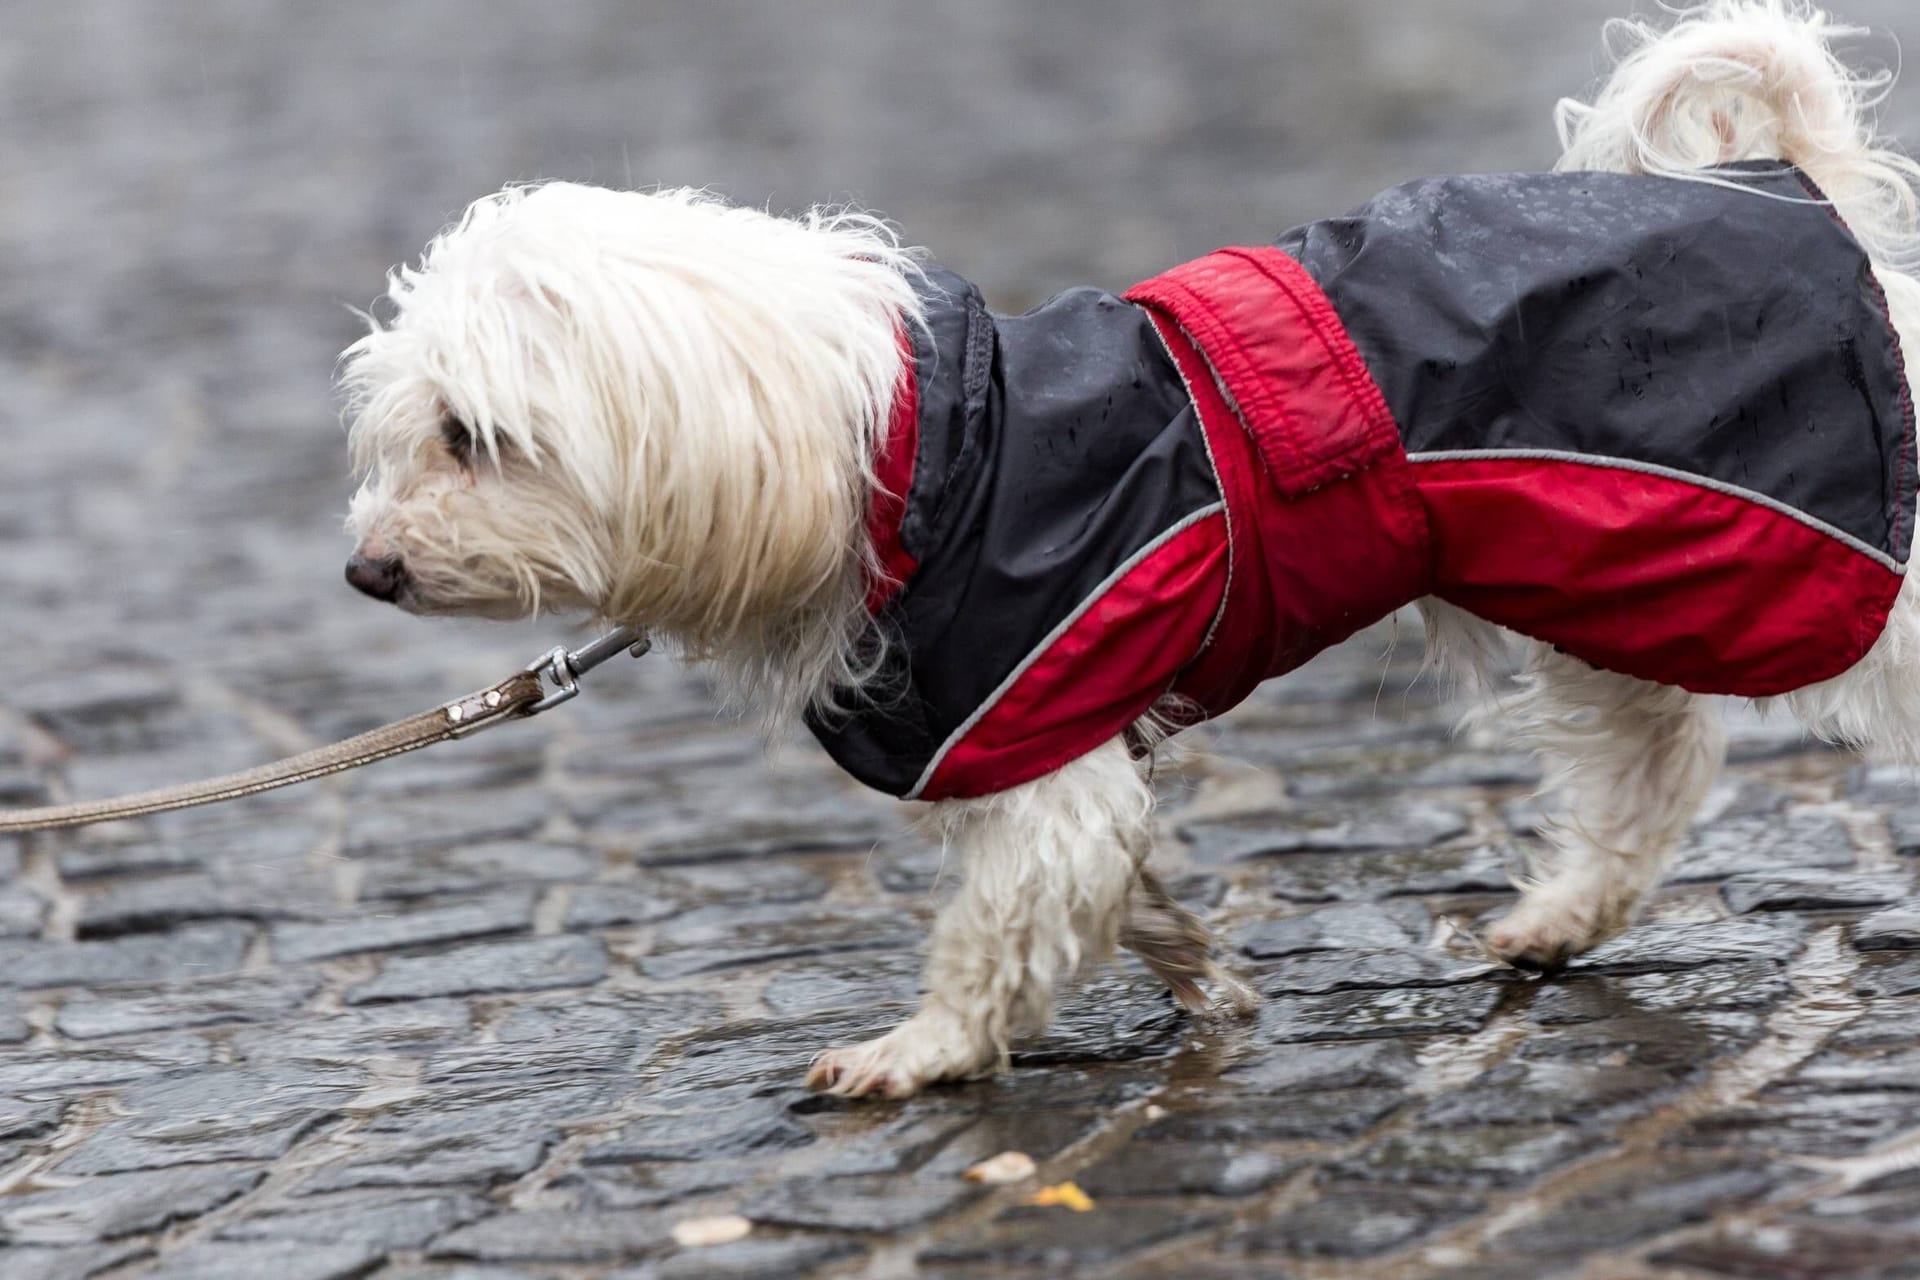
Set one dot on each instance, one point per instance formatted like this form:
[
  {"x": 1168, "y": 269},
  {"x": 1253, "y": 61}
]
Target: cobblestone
[
  {"x": 751, "y": 1260},
  {"x": 457, "y": 921},
  {"x": 1814, "y": 891},
  {"x": 558, "y": 1235},
  {"x": 1752, "y": 984},
  {"x": 1800, "y": 1248},
  {"x": 511, "y": 1008},
  {"x": 1350, "y": 1221},
  {"x": 32, "y": 1263},
  {"x": 121, "y": 1204},
  {"x": 186, "y": 953},
  {"x": 532, "y": 965},
  {"x": 1895, "y": 929},
  {"x": 219, "y": 1260},
  {"x": 385, "y": 1221},
  {"x": 248, "y": 998},
  {"x": 1888, "y": 975},
  {"x": 1335, "y": 929},
  {"x": 1622, "y": 1210},
  {"x": 1483, "y": 1156}
]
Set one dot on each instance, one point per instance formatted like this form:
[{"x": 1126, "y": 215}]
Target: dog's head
[{"x": 653, "y": 407}]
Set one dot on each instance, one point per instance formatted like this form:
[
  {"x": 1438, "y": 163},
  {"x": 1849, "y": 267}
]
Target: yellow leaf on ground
[{"x": 1062, "y": 1193}]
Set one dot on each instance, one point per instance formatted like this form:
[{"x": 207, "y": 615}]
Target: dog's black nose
[{"x": 383, "y": 579}]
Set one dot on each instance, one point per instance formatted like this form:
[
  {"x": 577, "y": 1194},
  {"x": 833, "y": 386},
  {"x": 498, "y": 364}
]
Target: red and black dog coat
[{"x": 1661, "y": 424}]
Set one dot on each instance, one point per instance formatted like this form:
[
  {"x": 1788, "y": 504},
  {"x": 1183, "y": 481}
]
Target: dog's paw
[
  {"x": 1541, "y": 937},
  {"x": 918, "y": 1052},
  {"x": 1536, "y": 951}
]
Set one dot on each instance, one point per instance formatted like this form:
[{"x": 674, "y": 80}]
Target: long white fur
[
  {"x": 674, "y": 405},
  {"x": 1629, "y": 762},
  {"x": 677, "y": 403},
  {"x": 1047, "y": 868}
]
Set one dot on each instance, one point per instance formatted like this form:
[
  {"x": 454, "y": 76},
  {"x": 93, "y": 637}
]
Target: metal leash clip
[{"x": 562, "y": 667}]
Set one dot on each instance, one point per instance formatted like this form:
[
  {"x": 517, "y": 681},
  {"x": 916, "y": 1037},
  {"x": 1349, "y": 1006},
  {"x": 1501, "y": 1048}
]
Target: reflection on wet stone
[
  {"x": 1046, "y": 1237},
  {"x": 1362, "y": 925},
  {"x": 1360, "y": 876},
  {"x": 1309, "y": 1069},
  {"x": 1145, "y": 1167},
  {"x": 752, "y": 1260},
  {"x": 1534, "y": 1093},
  {"x": 1360, "y": 970},
  {"x": 1888, "y": 975},
  {"x": 1487, "y": 1156},
  {"x": 1665, "y": 947},
  {"x": 1807, "y": 1121},
  {"x": 1799, "y": 1247},
  {"x": 1895, "y": 929},
  {"x": 1752, "y": 984},
  {"x": 1323, "y": 1115},
  {"x": 1642, "y": 1203},
  {"x": 1364, "y": 1015},
  {"x": 1357, "y": 1222},
  {"x": 1682, "y": 1040}
]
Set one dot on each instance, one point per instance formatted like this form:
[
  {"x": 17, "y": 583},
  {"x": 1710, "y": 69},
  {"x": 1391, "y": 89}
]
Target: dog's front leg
[
  {"x": 1048, "y": 867},
  {"x": 1629, "y": 763}
]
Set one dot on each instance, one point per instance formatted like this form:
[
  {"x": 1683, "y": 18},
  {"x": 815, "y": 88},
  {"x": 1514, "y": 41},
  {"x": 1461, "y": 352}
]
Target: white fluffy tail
[{"x": 1746, "y": 80}]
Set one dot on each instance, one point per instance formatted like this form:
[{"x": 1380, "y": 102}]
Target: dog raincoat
[{"x": 1661, "y": 424}]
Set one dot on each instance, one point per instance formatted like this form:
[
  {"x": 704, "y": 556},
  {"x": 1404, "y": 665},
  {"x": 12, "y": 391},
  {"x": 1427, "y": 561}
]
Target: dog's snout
[{"x": 382, "y": 577}]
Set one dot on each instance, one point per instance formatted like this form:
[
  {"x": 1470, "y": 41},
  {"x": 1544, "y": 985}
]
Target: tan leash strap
[{"x": 523, "y": 694}]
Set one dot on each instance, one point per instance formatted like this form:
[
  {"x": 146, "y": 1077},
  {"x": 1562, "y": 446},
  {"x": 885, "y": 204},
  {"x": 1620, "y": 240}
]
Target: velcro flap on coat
[{"x": 1282, "y": 360}]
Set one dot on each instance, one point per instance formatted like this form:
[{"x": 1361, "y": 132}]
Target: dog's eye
[{"x": 458, "y": 438}]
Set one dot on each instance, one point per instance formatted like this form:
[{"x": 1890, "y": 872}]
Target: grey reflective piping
[
  {"x": 1213, "y": 463},
  {"x": 1106, "y": 585},
  {"x": 1669, "y": 473}
]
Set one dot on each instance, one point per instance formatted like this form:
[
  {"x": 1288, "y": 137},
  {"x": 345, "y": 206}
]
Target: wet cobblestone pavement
[{"x": 515, "y": 1007}]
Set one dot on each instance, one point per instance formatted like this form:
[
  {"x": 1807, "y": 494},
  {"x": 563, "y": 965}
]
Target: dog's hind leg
[
  {"x": 1179, "y": 948},
  {"x": 1048, "y": 868},
  {"x": 1629, "y": 763},
  {"x": 1873, "y": 706}
]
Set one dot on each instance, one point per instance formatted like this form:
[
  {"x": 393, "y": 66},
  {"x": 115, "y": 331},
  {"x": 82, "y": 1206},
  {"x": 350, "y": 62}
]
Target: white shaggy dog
[{"x": 666, "y": 412}]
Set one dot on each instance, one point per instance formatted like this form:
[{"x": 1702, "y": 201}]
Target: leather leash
[{"x": 545, "y": 683}]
